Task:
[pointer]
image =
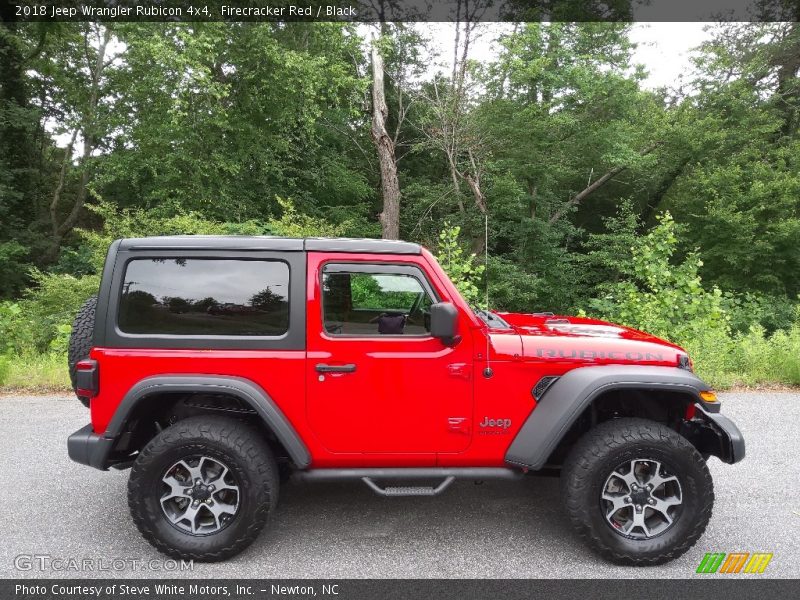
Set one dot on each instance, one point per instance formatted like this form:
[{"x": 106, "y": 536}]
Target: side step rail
[
  {"x": 396, "y": 491},
  {"x": 370, "y": 475}
]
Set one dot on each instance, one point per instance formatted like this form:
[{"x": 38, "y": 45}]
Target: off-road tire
[
  {"x": 240, "y": 448},
  {"x": 599, "y": 452},
  {"x": 80, "y": 341}
]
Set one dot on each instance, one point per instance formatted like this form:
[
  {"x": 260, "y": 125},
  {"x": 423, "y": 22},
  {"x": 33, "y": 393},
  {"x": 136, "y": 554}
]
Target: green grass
[
  {"x": 752, "y": 359},
  {"x": 34, "y": 373}
]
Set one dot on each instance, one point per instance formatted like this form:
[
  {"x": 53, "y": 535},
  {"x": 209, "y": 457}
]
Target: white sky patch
[{"x": 665, "y": 49}]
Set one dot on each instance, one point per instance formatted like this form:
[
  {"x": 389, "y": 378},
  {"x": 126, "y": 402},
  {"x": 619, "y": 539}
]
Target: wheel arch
[
  {"x": 573, "y": 394},
  {"x": 249, "y": 394}
]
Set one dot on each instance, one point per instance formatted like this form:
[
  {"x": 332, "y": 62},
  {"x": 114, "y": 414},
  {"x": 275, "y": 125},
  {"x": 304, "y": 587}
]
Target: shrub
[
  {"x": 769, "y": 359},
  {"x": 463, "y": 270},
  {"x": 41, "y": 320},
  {"x": 769, "y": 311},
  {"x": 126, "y": 223},
  {"x": 4, "y": 367},
  {"x": 295, "y": 224},
  {"x": 9, "y": 313},
  {"x": 512, "y": 288},
  {"x": 663, "y": 298}
]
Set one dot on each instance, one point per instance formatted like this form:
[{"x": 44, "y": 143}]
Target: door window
[{"x": 374, "y": 303}]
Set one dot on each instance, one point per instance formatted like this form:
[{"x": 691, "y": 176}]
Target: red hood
[{"x": 578, "y": 339}]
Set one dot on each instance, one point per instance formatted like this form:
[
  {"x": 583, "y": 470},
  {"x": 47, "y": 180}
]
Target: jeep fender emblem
[{"x": 501, "y": 423}]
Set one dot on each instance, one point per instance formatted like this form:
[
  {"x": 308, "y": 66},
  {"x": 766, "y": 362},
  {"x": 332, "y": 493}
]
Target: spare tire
[{"x": 80, "y": 342}]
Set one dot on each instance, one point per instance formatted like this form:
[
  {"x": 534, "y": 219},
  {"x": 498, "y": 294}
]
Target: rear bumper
[
  {"x": 724, "y": 440},
  {"x": 89, "y": 448}
]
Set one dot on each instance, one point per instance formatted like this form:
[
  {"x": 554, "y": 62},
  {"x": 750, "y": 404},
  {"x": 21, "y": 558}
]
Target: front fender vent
[{"x": 540, "y": 388}]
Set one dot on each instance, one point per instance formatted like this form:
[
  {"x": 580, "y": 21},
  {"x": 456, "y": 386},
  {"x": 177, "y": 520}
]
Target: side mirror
[{"x": 444, "y": 323}]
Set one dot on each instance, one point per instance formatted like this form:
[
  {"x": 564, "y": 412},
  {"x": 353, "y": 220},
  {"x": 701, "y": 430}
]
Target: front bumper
[
  {"x": 719, "y": 436},
  {"x": 89, "y": 448}
]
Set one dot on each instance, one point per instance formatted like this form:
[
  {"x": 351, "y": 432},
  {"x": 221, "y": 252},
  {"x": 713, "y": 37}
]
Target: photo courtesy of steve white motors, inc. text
[{"x": 159, "y": 590}]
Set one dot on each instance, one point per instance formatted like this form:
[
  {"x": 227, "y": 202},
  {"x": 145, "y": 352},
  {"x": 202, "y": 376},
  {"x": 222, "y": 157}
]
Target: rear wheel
[
  {"x": 203, "y": 488},
  {"x": 637, "y": 492},
  {"x": 80, "y": 341}
]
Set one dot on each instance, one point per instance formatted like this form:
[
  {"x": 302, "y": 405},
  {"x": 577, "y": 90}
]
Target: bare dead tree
[
  {"x": 452, "y": 129},
  {"x": 385, "y": 147}
]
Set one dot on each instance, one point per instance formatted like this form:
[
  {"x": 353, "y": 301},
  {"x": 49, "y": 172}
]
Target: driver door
[{"x": 378, "y": 382}]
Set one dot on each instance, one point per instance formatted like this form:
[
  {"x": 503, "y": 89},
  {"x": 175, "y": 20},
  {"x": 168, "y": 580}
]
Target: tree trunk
[
  {"x": 663, "y": 187},
  {"x": 590, "y": 189},
  {"x": 454, "y": 175},
  {"x": 390, "y": 186}
]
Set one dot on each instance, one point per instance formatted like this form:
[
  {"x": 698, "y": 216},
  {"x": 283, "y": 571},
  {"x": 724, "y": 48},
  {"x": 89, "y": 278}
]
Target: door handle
[{"x": 323, "y": 368}]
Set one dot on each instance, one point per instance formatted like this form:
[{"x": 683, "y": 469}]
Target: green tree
[
  {"x": 662, "y": 296},
  {"x": 223, "y": 117},
  {"x": 463, "y": 269},
  {"x": 739, "y": 193}
]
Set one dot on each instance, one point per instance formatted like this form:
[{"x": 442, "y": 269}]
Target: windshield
[{"x": 491, "y": 319}]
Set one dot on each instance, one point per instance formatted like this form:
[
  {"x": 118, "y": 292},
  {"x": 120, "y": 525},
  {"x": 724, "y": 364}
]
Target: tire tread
[{"x": 80, "y": 341}]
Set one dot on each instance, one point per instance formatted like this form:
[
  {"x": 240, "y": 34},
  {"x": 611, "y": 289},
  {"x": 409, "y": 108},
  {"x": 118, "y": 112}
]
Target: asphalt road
[{"x": 52, "y": 507}]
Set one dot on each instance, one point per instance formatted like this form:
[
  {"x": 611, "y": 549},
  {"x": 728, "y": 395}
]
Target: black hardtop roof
[{"x": 264, "y": 242}]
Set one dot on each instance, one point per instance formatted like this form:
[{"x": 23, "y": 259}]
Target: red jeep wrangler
[{"x": 217, "y": 367}]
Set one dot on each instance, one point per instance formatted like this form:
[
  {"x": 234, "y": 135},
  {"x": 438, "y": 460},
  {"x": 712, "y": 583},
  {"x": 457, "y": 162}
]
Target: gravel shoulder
[{"x": 54, "y": 507}]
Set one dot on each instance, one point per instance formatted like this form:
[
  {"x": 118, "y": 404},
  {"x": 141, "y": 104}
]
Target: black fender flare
[
  {"x": 566, "y": 399},
  {"x": 245, "y": 390}
]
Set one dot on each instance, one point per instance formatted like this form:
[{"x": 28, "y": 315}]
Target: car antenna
[{"x": 487, "y": 372}]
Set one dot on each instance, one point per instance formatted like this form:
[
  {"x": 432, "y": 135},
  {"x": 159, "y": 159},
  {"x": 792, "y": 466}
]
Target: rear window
[{"x": 198, "y": 296}]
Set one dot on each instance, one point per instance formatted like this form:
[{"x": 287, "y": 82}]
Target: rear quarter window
[{"x": 205, "y": 296}]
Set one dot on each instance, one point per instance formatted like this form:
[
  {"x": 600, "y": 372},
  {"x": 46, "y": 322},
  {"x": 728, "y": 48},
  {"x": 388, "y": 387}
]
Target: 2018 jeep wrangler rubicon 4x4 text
[{"x": 216, "y": 367}]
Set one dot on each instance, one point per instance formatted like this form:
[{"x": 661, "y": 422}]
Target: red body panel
[
  {"x": 411, "y": 401},
  {"x": 280, "y": 372}
]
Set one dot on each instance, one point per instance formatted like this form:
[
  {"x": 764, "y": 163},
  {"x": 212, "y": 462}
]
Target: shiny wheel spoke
[
  {"x": 220, "y": 509},
  {"x": 639, "y": 522},
  {"x": 189, "y": 514},
  {"x": 657, "y": 480},
  {"x": 177, "y": 489},
  {"x": 617, "y": 504},
  {"x": 663, "y": 506},
  {"x": 194, "y": 472}
]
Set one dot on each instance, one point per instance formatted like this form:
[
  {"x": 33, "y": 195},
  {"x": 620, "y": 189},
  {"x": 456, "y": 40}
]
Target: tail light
[{"x": 87, "y": 378}]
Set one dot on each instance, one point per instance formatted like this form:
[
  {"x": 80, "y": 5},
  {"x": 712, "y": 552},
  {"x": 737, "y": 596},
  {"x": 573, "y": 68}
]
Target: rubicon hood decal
[
  {"x": 595, "y": 354},
  {"x": 588, "y": 341}
]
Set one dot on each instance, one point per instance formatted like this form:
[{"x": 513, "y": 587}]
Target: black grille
[{"x": 540, "y": 388}]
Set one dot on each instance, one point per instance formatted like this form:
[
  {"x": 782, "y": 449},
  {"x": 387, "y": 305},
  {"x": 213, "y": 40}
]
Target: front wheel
[
  {"x": 637, "y": 492},
  {"x": 202, "y": 489}
]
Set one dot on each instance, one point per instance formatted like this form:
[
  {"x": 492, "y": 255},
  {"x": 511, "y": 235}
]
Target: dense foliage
[{"x": 677, "y": 211}]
